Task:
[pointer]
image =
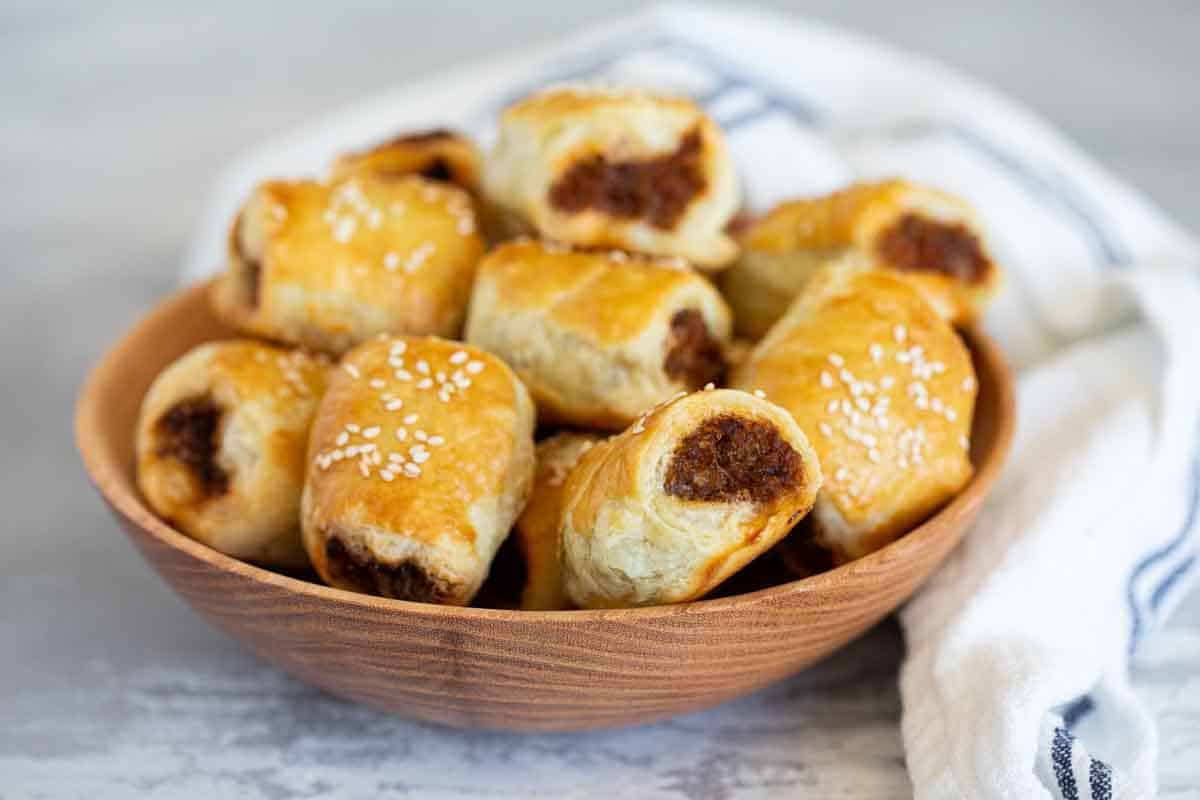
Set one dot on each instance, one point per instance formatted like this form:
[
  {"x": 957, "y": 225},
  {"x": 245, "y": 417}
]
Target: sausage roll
[
  {"x": 624, "y": 169},
  {"x": 536, "y": 534},
  {"x": 420, "y": 460},
  {"x": 597, "y": 337},
  {"x": 687, "y": 496},
  {"x": 885, "y": 390},
  {"x": 931, "y": 238},
  {"x": 328, "y": 265},
  {"x": 438, "y": 155},
  {"x": 221, "y": 447}
]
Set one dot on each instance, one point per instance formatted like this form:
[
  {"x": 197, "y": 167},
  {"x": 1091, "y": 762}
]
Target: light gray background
[{"x": 113, "y": 121}]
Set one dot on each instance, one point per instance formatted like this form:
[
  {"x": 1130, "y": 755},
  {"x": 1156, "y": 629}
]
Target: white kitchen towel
[{"x": 1015, "y": 683}]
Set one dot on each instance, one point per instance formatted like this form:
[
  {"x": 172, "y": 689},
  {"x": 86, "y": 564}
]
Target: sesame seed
[
  {"x": 425, "y": 383},
  {"x": 353, "y": 428},
  {"x": 396, "y": 458},
  {"x": 387, "y": 475},
  {"x": 352, "y": 371},
  {"x": 832, "y": 407},
  {"x": 899, "y": 333},
  {"x": 344, "y": 228},
  {"x": 951, "y": 414},
  {"x": 876, "y": 353},
  {"x": 862, "y": 403},
  {"x": 475, "y": 367},
  {"x": 968, "y": 384},
  {"x": 371, "y": 432},
  {"x": 342, "y": 439},
  {"x": 873, "y": 454},
  {"x": 440, "y": 377},
  {"x": 364, "y": 469},
  {"x": 966, "y": 444},
  {"x": 399, "y": 346},
  {"x": 401, "y": 434},
  {"x": 376, "y": 383},
  {"x": 887, "y": 382},
  {"x": 394, "y": 405},
  {"x": 841, "y": 474},
  {"x": 436, "y": 440},
  {"x": 826, "y": 379},
  {"x": 391, "y": 260},
  {"x": 936, "y": 404},
  {"x": 760, "y": 394},
  {"x": 403, "y": 375},
  {"x": 826, "y": 430},
  {"x": 374, "y": 218},
  {"x": 412, "y": 470},
  {"x": 459, "y": 357},
  {"x": 423, "y": 367},
  {"x": 420, "y": 457},
  {"x": 351, "y": 451},
  {"x": 421, "y": 436},
  {"x": 410, "y": 419},
  {"x": 836, "y": 360}
]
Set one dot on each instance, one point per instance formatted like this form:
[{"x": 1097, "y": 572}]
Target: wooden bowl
[{"x": 523, "y": 670}]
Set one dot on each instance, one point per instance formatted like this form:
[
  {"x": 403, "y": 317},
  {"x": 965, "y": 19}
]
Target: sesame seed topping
[
  {"x": 391, "y": 260},
  {"x": 420, "y": 435},
  {"x": 401, "y": 434},
  {"x": 826, "y": 430},
  {"x": 352, "y": 371},
  {"x": 423, "y": 367},
  {"x": 436, "y": 440},
  {"x": 876, "y": 353},
  {"x": 411, "y": 470},
  {"x": 394, "y": 405},
  {"x": 459, "y": 357},
  {"x": 826, "y": 379},
  {"x": 399, "y": 346},
  {"x": 342, "y": 439},
  {"x": 425, "y": 383},
  {"x": 371, "y": 432},
  {"x": 403, "y": 375},
  {"x": 410, "y": 419},
  {"x": 760, "y": 394},
  {"x": 899, "y": 333},
  {"x": 836, "y": 360},
  {"x": 475, "y": 367},
  {"x": 420, "y": 457},
  {"x": 387, "y": 475},
  {"x": 842, "y": 474},
  {"x": 873, "y": 454},
  {"x": 377, "y": 383},
  {"x": 352, "y": 427},
  {"x": 364, "y": 469},
  {"x": 968, "y": 384},
  {"x": 887, "y": 382}
]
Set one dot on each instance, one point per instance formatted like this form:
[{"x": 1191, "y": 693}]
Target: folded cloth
[{"x": 1016, "y": 679}]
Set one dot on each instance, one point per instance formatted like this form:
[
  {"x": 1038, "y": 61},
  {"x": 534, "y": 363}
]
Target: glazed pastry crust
[
  {"x": 646, "y": 518},
  {"x": 597, "y": 337},
  {"x": 885, "y": 390},
  {"x": 328, "y": 265},
  {"x": 420, "y": 459},
  {"x": 220, "y": 445},
  {"x": 436, "y": 155},
  {"x": 895, "y": 225},
  {"x": 537, "y": 530},
  {"x": 621, "y": 169}
]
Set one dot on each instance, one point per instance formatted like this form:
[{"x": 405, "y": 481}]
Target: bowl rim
[{"x": 121, "y": 494}]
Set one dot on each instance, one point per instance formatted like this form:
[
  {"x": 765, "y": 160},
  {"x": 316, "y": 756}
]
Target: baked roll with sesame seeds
[
  {"x": 931, "y": 238},
  {"x": 221, "y": 447},
  {"x": 537, "y": 532},
  {"x": 692, "y": 492},
  {"x": 437, "y": 155},
  {"x": 597, "y": 337},
  {"x": 420, "y": 459},
  {"x": 616, "y": 168},
  {"x": 328, "y": 265},
  {"x": 885, "y": 390}
]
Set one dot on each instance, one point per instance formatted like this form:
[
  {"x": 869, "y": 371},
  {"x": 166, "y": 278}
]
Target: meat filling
[
  {"x": 733, "y": 459},
  {"x": 188, "y": 432},
  {"x": 656, "y": 190},
  {"x": 693, "y": 357},
  {"x": 403, "y": 581},
  {"x": 919, "y": 244}
]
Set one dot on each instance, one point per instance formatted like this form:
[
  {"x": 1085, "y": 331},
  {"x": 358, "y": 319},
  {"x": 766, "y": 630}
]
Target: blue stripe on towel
[
  {"x": 1166, "y": 551},
  {"x": 1060, "y": 758}
]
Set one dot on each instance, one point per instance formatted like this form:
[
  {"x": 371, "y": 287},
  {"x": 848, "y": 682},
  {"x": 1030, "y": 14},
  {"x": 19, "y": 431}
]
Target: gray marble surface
[{"x": 116, "y": 116}]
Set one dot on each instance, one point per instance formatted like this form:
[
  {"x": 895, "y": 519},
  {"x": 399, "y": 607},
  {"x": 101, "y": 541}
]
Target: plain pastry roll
[
  {"x": 221, "y": 446},
  {"x": 930, "y": 237},
  {"x": 671, "y": 507},
  {"x": 885, "y": 390},
  {"x": 420, "y": 459},
  {"x": 438, "y": 155},
  {"x": 328, "y": 265},
  {"x": 537, "y": 531},
  {"x": 597, "y": 337},
  {"x": 614, "y": 168}
]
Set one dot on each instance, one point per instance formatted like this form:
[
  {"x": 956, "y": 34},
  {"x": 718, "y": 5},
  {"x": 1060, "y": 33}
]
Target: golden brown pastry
[
  {"x": 328, "y": 265},
  {"x": 438, "y": 155},
  {"x": 930, "y": 237},
  {"x": 613, "y": 168},
  {"x": 420, "y": 460},
  {"x": 671, "y": 507},
  {"x": 885, "y": 390},
  {"x": 537, "y": 531},
  {"x": 221, "y": 442},
  {"x": 597, "y": 337}
]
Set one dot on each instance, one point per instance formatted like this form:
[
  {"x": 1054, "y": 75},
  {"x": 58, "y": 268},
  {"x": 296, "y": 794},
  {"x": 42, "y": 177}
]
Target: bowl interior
[{"x": 109, "y": 403}]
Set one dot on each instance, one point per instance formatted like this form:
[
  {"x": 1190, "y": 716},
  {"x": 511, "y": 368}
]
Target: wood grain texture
[{"x": 512, "y": 669}]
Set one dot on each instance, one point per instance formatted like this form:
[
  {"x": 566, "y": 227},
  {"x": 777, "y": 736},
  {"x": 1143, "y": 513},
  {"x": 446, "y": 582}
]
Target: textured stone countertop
[{"x": 116, "y": 117}]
